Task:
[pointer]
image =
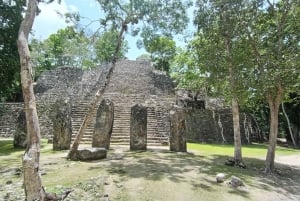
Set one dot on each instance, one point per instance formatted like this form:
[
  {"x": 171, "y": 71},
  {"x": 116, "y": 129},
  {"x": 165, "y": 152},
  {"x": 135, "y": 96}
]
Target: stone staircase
[
  {"x": 153, "y": 136},
  {"x": 79, "y": 110},
  {"x": 121, "y": 126}
]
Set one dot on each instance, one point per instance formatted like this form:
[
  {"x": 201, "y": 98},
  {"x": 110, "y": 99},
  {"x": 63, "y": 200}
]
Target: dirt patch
[
  {"x": 157, "y": 175},
  {"x": 292, "y": 160}
]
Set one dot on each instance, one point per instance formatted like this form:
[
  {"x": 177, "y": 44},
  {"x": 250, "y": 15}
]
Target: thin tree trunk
[
  {"x": 289, "y": 124},
  {"x": 274, "y": 104},
  {"x": 31, "y": 158},
  {"x": 237, "y": 133},
  {"x": 272, "y": 140},
  {"x": 235, "y": 107},
  {"x": 88, "y": 117}
]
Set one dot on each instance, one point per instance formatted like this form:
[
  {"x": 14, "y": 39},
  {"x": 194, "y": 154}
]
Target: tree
[
  {"x": 67, "y": 46},
  {"x": 119, "y": 15},
  {"x": 108, "y": 40},
  {"x": 273, "y": 35},
  {"x": 10, "y": 20},
  {"x": 221, "y": 56},
  {"x": 162, "y": 50},
  {"x": 31, "y": 158},
  {"x": 144, "y": 57},
  {"x": 32, "y": 179}
]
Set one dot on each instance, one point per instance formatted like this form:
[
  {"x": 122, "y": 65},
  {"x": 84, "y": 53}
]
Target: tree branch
[
  {"x": 27, "y": 23},
  {"x": 280, "y": 29},
  {"x": 271, "y": 5}
]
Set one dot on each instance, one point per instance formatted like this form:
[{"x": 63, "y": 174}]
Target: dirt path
[{"x": 291, "y": 160}]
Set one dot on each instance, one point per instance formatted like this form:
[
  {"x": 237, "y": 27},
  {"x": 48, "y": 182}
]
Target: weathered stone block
[
  {"x": 21, "y": 130},
  {"x": 88, "y": 154},
  {"x": 62, "y": 124},
  {"x": 178, "y": 131},
  {"x": 138, "y": 128},
  {"x": 103, "y": 125}
]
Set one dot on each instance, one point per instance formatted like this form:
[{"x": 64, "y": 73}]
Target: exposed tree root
[
  {"x": 56, "y": 197},
  {"x": 236, "y": 163}
]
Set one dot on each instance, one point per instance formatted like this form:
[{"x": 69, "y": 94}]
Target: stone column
[
  {"x": 103, "y": 125},
  {"x": 138, "y": 128},
  {"x": 177, "y": 134},
  {"x": 21, "y": 130},
  {"x": 62, "y": 124}
]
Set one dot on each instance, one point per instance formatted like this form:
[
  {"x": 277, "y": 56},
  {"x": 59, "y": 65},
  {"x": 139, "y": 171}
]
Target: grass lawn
[
  {"x": 251, "y": 151},
  {"x": 156, "y": 174}
]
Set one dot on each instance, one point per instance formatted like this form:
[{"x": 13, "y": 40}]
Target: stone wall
[
  {"x": 8, "y": 119},
  {"x": 60, "y": 83},
  {"x": 216, "y": 126},
  {"x": 67, "y": 81}
]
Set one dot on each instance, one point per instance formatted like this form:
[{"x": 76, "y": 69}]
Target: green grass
[
  {"x": 7, "y": 148},
  {"x": 251, "y": 151}
]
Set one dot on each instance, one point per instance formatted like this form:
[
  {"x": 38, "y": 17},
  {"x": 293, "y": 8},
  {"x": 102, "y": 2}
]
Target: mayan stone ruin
[{"x": 132, "y": 83}]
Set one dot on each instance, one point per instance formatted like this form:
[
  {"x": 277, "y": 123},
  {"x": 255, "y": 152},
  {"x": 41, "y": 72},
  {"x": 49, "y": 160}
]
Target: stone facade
[
  {"x": 65, "y": 82},
  {"x": 138, "y": 128},
  {"x": 62, "y": 124},
  {"x": 20, "y": 134},
  {"x": 216, "y": 126},
  {"x": 8, "y": 118},
  {"x": 178, "y": 131},
  {"x": 209, "y": 121},
  {"x": 103, "y": 125}
]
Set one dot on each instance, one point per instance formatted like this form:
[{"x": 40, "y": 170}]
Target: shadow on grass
[
  {"x": 7, "y": 147},
  {"x": 159, "y": 165}
]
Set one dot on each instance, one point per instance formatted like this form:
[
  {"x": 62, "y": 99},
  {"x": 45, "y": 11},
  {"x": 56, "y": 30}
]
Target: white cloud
[
  {"x": 51, "y": 19},
  {"x": 92, "y": 3},
  {"x": 73, "y": 8}
]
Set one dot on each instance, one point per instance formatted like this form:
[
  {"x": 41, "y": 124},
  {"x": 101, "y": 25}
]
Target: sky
[{"x": 50, "y": 20}]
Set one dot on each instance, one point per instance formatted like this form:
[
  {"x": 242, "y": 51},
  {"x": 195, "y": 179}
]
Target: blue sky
[{"x": 49, "y": 21}]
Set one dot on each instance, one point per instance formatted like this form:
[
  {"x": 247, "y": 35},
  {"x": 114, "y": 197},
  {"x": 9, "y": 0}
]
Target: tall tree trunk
[
  {"x": 274, "y": 104},
  {"x": 237, "y": 132},
  {"x": 31, "y": 158},
  {"x": 289, "y": 124},
  {"x": 88, "y": 117},
  {"x": 235, "y": 107}
]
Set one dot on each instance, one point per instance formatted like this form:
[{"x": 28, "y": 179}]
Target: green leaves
[
  {"x": 147, "y": 18},
  {"x": 274, "y": 35},
  {"x": 105, "y": 47},
  {"x": 73, "y": 48},
  {"x": 10, "y": 20},
  {"x": 162, "y": 50},
  {"x": 66, "y": 47}
]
